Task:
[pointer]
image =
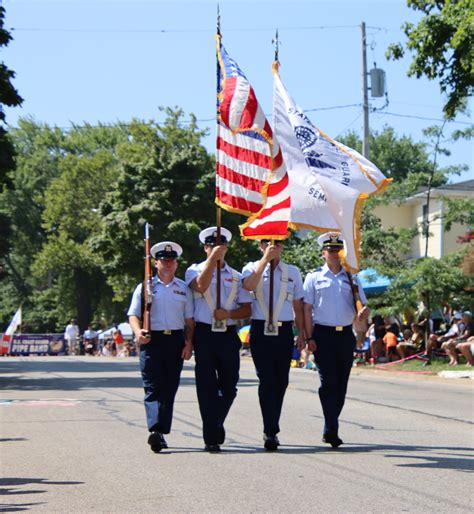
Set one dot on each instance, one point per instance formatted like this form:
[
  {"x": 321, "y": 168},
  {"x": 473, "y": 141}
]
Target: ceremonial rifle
[
  {"x": 360, "y": 326},
  {"x": 358, "y": 304},
  {"x": 147, "y": 284}
]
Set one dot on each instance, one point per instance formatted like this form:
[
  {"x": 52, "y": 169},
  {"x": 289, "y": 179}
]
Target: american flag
[{"x": 251, "y": 177}]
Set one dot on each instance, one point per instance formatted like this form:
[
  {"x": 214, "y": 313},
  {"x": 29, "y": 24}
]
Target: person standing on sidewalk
[{"x": 71, "y": 335}]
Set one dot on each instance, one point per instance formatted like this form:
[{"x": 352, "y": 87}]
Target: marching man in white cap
[
  {"x": 162, "y": 352},
  {"x": 272, "y": 341},
  {"x": 329, "y": 310},
  {"x": 216, "y": 343}
]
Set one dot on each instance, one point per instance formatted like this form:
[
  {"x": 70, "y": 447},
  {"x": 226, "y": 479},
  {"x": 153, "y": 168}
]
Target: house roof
[{"x": 466, "y": 187}]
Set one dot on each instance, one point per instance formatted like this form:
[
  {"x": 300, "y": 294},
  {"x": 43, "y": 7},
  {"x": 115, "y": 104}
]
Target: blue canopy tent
[{"x": 372, "y": 282}]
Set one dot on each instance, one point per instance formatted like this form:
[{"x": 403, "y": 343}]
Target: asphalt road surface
[{"x": 73, "y": 439}]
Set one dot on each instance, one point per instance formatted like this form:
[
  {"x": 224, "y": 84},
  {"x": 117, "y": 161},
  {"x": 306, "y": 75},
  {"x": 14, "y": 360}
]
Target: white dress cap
[
  {"x": 208, "y": 236},
  {"x": 166, "y": 250},
  {"x": 331, "y": 240}
]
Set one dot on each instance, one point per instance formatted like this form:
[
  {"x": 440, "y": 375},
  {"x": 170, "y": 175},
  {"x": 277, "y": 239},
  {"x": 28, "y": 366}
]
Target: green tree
[
  {"x": 432, "y": 281},
  {"x": 54, "y": 168},
  {"x": 8, "y": 97},
  {"x": 70, "y": 219},
  {"x": 443, "y": 47}
]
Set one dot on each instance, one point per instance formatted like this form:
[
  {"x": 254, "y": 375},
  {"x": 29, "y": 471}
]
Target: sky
[{"x": 103, "y": 61}]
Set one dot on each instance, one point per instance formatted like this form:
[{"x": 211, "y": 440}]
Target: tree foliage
[
  {"x": 443, "y": 47},
  {"x": 8, "y": 97},
  {"x": 428, "y": 280}
]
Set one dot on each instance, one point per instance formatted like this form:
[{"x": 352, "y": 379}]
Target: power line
[
  {"x": 170, "y": 31},
  {"x": 208, "y": 120},
  {"x": 422, "y": 117},
  {"x": 351, "y": 123}
]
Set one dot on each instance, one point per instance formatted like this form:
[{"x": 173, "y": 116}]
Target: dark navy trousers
[
  {"x": 160, "y": 366},
  {"x": 272, "y": 358},
  {"x": 333, "y": 357},
  {"x": 217, "y": 356}
]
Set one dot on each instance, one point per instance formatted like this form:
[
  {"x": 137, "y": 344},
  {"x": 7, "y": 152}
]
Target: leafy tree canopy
[
  {"x": 443, "y": 47},
  {"x": 8, "y": 96}
]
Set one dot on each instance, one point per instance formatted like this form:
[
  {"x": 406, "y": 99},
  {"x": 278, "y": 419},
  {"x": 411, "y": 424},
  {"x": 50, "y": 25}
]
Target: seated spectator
[
  {"x": 467, "y": 350},
  {"x": 125, "y": 351},
  {"x": 392, "y": 321},
  {"x": 450, "y": 347},
  {"x": 435, "y": 341},
  {"x": 375, "y": 334},
  {"x": 390, "y": 340},
  {"x": 412, "y": 341},
  {"x": 107, "y": 350},
  {"x": 90, "y": 341}
]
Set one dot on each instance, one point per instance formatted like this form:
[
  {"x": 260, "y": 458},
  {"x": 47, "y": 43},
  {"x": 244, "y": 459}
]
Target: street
[{"x": 73, "y": 439}]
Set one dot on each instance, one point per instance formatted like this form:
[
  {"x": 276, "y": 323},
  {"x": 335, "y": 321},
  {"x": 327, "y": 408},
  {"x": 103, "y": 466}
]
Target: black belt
[
  {"x": 337, "y": 328},
  {"x": 166, "y": 332},
  {"x": 261, "y": 322}
]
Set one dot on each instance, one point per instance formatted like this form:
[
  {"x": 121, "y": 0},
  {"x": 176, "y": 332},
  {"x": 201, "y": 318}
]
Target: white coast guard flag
[
  {"x": 328, "y": 181},
  {"x": 8, "y": 335}
]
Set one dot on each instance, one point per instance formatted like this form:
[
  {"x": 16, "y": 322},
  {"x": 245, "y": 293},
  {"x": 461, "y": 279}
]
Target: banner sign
[{"x": 38, "y": 344}]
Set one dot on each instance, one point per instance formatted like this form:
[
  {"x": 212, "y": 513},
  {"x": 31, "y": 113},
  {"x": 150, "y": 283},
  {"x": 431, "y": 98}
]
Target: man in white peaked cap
[
  {"x": 329, "y": 310},
  {"x": 216, "y": 342},
  {"x": 170, "y": 341}
]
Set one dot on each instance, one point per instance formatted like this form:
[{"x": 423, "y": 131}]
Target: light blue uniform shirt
[
  {"x": 171, "y": 304},
  {"x": 295, "y": 290},
  {"x": 202, "y": 313},
  {"x": 331, "y": 297}
]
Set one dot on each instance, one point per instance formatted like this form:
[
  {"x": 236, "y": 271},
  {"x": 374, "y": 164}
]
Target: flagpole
[
  {"x": 272, "y": 262},
  {"x": 218, "y": 210}
]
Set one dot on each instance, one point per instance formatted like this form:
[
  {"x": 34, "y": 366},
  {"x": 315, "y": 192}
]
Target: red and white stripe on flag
[{"x": 250, "y": 175}]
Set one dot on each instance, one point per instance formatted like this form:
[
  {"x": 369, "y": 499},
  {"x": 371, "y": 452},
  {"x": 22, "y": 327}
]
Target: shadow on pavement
[
  {"x": 438, "y": 462},
  {"x": 455, "y": 460},
  {"x": 9, "y": 486},
  {"x": 17, "y": 507}
]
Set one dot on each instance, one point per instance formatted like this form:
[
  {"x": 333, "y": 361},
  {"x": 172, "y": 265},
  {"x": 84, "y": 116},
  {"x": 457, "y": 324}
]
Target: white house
[{"x": 414, "y": 213}]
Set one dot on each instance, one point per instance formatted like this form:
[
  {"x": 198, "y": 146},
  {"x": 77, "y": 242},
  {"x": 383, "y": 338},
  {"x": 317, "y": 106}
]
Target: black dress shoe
[
  {"x": 212, "y": 448},
  {"x": 333, "y": 439},
  {"x": 220, "y": 435},
  {"x": 270, "y": 442},
  {"x": 157, "y": 442}
]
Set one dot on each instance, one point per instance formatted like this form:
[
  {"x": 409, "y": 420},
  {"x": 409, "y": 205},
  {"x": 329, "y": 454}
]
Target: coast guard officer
[
  {"x": 216, "y": 343},
  {"x": 162, "y": 352},
  {"x": 272, "y": 346},
  {"x": 329, "y": 310}
]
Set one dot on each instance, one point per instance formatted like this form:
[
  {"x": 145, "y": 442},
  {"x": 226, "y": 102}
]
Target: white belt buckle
[
  {"x": 218, "y": 325},
  {"x": 270, "y": 328}
]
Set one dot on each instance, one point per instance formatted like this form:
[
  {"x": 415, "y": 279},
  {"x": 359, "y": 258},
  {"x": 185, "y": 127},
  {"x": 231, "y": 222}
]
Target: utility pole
[{"x": 365, "y": 94}]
